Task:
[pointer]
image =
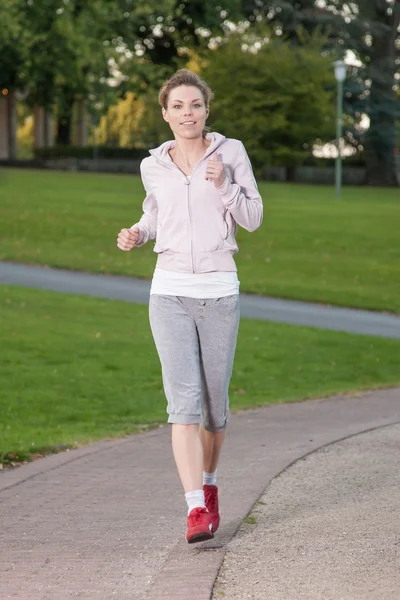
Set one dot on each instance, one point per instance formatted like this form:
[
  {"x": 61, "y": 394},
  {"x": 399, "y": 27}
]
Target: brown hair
[{"x": 184, "y": 77}]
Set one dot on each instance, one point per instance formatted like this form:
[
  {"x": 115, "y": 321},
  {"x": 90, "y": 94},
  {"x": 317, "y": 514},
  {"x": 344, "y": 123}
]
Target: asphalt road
[{"x": 252, "y": 307}]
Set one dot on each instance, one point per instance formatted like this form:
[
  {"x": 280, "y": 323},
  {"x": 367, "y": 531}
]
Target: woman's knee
[
  {"x": 185, "y": 429},
  {"x": 215, "y": 426}
]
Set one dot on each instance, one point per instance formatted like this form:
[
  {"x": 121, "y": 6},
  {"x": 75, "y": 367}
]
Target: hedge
[{"x": 91, "y": 152}]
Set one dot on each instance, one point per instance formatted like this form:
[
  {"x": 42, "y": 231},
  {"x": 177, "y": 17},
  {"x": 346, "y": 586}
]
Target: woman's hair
[{"x": 184, "y": 77}]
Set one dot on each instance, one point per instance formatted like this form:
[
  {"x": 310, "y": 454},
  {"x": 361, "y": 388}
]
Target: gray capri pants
[{"x": 196, "y": 343}]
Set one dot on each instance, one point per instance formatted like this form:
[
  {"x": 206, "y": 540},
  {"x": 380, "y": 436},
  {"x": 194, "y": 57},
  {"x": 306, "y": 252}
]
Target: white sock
[
  {"x": 210, "y": 478},
  {"x": 195, "y": 499}
]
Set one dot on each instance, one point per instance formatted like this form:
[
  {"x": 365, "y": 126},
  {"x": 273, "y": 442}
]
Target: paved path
[
  {"x": 253, "y": 307},
  {"x": 108, "y": 520}
]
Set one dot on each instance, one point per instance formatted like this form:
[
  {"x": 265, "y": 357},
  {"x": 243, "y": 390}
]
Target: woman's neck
[{"x": 189, "y": 152}]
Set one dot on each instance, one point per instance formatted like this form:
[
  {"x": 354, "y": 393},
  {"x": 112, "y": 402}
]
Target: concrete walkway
[
  {"x": 327, "y": 528},
  {"x": 252, "y": 307},
  {"x": 108, "y": 520}
]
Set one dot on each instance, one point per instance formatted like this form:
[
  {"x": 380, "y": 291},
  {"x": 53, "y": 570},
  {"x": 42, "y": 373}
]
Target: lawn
[
  {"x": 310, "y": 246},
  {"x": 78, "y": 369}
]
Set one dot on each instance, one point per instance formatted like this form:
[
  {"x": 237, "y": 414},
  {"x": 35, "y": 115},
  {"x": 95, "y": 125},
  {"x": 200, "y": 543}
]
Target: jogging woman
[{"x": 199, "y": 187}]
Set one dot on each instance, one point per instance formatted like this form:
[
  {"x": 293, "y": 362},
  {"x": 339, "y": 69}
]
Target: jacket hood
[{"x": 161, "y": 153}]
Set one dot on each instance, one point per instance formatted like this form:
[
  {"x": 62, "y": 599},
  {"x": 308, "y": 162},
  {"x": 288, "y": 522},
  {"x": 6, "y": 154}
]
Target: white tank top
[{"x": 195, "y": 285}]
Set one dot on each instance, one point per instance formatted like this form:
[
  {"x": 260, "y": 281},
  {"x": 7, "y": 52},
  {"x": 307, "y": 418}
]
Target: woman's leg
[
  {"x": 188, "y": 454},
  {"x": 176, "y": 339},
  {"x": 218, "y": 328},
  {"x": 212, "y": 443},
  {"x": 173, "y": 323}
]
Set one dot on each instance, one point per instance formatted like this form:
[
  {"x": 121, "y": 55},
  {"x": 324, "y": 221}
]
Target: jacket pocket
[
  {"x": 226, "y": 225},
  {"x": 160, "y": 245},
  {"x": 173, "y": 235}
]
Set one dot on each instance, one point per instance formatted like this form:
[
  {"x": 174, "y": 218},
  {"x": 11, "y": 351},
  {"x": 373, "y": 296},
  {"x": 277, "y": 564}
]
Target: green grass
[
  {"x": 76, "y": 369},
  {"x": 250, "y": 520},
  {"x": 310, "y": 246}
]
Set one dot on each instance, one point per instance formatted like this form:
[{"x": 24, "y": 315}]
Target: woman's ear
[{"x": 164, "y": 114}]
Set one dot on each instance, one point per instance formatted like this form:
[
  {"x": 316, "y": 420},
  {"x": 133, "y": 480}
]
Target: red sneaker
[
  {"x": 211, "y": 498},
  {"x": 199, "y": 526}
]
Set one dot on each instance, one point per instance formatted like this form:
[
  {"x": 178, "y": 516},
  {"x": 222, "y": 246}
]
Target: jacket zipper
[
  {"x": 191, "y": 222},
  {"x": 206, "y": 155},
  {"x": 187, "y": 183}
]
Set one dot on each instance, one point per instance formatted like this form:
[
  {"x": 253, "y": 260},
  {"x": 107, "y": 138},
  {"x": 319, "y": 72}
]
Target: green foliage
[
  {"x": 14, "y": 46},
  {"x": 24, "y": 132},
  {"x": 56, "y": 51},
  {"x": 165, "y": 30},
  {"x": 61, "y": 51},
  {"x": 277, "y": 100},
  {"x": 371, "y": 29},
  {"x": 134, "y": 121}
]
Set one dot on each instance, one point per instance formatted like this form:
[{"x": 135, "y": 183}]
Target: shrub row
[
  {"x": 91, "y": 152},
  {"x": 140, "y": 153}
]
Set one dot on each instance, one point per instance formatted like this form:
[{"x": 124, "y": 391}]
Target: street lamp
[{"x": 340, "y": 74}]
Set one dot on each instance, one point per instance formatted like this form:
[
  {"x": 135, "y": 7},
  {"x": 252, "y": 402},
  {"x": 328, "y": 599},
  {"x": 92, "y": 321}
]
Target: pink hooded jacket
[{"x": 194, "y": 222}]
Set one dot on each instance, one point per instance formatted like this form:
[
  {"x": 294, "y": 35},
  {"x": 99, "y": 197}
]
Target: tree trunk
[
  {"x": 64, "y": 122},
  {"x": 4, "y": 127},
  {"x": 81, "y": 123},
  {"x": 8, "y": 126},
  {"x": 291, "y": 173},
  {"x": 38, "y": 127},
  {"x": 48, "y": 135},
  {"x": 12, "y": 125},
  {"x": 381, "y": 137},
  {"x": 64, "y": 130}
]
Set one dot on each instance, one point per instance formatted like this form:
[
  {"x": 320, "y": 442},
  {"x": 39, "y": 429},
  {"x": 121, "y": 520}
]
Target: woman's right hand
[{"x": 128, "y": 238}]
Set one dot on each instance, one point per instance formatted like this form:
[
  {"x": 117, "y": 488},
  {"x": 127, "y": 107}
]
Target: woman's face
[{"x": 186, "y": 111}]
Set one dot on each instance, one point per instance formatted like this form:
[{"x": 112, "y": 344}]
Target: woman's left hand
[{"x": 215, "y": 171}]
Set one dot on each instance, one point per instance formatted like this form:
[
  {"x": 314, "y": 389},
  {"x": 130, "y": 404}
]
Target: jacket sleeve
[
  {"x": 148, "y": 222},
  {"x": 241, "y": 196}
]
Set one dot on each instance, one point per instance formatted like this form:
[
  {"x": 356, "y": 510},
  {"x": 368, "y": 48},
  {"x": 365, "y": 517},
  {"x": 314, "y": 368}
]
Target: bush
[
  {"x": 91, "y": 152},
  {"x": 357, "y": 160},
  {"x": 276, "y": 98}
]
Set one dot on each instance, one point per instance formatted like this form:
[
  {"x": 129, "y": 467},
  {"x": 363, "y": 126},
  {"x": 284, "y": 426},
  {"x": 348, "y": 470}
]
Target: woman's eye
[
  {"x": 197, "y": 105},
  {"x": 177, "y": 106}
]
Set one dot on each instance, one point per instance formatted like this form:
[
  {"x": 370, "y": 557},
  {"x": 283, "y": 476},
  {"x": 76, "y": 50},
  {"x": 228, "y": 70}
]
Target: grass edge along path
[
  {"x": 77, "y": 369},
  {"x": 310, "y": 247}
]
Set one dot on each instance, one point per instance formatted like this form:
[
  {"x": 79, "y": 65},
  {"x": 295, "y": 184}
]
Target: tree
[
  {"x": 76, "y": 29},
  {"x": 159, "y": 37},
  {"x": 133, "y": 122},
  {"x": 165, "y": 30},
  {"x": 14, "y": 52},
  {"x": 277, "y": 98},
  {"x": 371, "y": 29},
  {"x": 75, "y": 46},
  {"x": 382, "y": 103},
  {"x": 14, "y": 46}
]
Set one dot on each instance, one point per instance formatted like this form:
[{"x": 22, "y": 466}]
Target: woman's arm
[
  {"x": 148, "y": 222},
  {"x": 241, "y": 197}
]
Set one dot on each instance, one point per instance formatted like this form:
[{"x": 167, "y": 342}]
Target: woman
[{"x": 198, "y": 188}]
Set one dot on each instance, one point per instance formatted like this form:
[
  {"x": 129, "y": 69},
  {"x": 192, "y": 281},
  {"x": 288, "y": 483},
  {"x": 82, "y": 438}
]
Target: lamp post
[{"x": 340, "y": 74}]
